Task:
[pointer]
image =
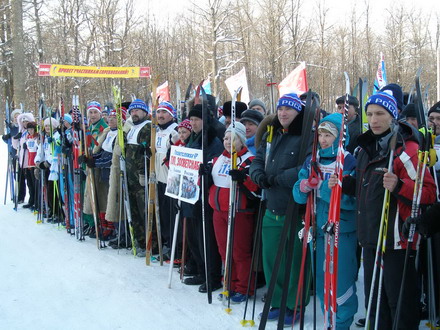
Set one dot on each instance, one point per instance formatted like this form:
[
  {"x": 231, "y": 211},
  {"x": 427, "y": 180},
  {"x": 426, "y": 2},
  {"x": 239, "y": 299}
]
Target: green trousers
[{"x": 271, "y": 234}]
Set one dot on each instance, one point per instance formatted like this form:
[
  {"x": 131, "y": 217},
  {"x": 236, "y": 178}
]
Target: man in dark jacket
[
  {"x": 353, "y": 119},
  {"x": 275, "y": 169},
  {"x": 372, "y": 178},
  {"x": 193, "y": 213}
]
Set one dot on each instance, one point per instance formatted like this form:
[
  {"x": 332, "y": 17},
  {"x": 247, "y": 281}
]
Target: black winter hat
[
  {"x": 409, "y": 111},
  {"x": 239, "y": 108},
  {"x": 397, "y": 93},
  {"x": 253, "y": 116},
  {"x": 435, "y": 108},
  {"x": 351, "y": 100},
  {"x": 196, "y": 111}
]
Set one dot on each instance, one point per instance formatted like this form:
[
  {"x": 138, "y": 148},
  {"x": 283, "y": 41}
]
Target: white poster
[{"x": 183, "y": 175}]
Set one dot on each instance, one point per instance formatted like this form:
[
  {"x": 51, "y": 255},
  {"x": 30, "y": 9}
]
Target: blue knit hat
[
  {"x": 94, "y": 106},
  {"x": 168, "y": 107},
  {"x": 68, "y": 118},
  {"x": 290, "y": 100},
  {"x": 138, "y": 104},
  {"x": 384, "y": 100}
]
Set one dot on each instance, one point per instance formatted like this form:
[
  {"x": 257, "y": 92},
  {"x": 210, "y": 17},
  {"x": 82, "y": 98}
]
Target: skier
[
  {"x": 166, "y": 134},
  {"x": 353, "y": 119},
  {"x": 31, "y": 145},
  {"x": 138, "y": 141},
  {"x": 372, "y": 178},
  {"x": 245, "y": 209},
  {"x": 251, "y": 119},
  {"x": 329, "y": 132},
  {"x": 277, "y": 179},
  {"x": 193, "y": 213},
  {"x": 96, "y": 128}
]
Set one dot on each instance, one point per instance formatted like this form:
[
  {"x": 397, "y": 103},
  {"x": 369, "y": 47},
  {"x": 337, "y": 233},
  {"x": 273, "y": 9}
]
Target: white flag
[{"x": 234, "y": 82}]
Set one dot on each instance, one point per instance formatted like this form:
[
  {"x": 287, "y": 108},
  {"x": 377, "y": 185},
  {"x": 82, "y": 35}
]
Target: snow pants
[
  {"x": 347, "y": 270},
  {"x": 271, "y": 233},
  {"x": 392, "y": 278},
  {"x": 194, "y": 234},
  {"x": 242, "y": 248}
]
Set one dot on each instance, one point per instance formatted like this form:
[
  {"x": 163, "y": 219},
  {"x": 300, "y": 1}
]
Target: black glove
[
  {"x": 237, "y": 175},
  {"x": 90, "y": 162},
  {"x": 421, "y": 227},
  {"x": 41, "y": 165},
  {"x": 6, "y": 137},
  {"x": 204, "y": 169},
  {"x": 18, "y": 136},
  {"x": 267, "y": 181},
  {"x": 24, "y": 146},
  {"x": 82, "y": 159},
  {"x": 49, "y": 139}
]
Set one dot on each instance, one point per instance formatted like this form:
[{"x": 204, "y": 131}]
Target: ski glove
[
  {"x": 24, "y": 146},
  {"x": 204, "y": 169},
  {"x": 6, "y": 137},
  {"x": 49, "y": 140},
  {"x": 142, "y": 180},
  {"x": 307, "y": 186},
  {"x": 267, "y": 181},
  {"x": 421, "y": 226},
  {"x": 18, "y": 136},
  {"x": 237, "y": 175}
]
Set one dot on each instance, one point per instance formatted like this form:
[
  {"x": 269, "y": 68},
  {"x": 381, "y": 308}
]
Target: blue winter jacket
[{"x": 348, "y": 203}]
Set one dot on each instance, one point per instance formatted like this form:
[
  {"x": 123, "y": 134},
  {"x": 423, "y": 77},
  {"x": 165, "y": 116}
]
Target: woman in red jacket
[{"x": 244, "y": 216}]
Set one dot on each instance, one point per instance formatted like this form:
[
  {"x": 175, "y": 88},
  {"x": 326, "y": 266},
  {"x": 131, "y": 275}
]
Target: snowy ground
[{"x": 49, "y": 280}]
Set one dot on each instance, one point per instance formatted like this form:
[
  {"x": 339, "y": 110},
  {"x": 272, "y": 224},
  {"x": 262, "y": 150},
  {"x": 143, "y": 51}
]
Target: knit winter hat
[
  {"x": 185, "y": 124},
  {"x": 138, "y": 104},
  {"x": 240, "y": 107},
  {"x": 55, "y": 123},
  {"x": 253, "y": 116},
  {"x": 68, "y": 118},
  {"x": 386, "y": 101},
  {"x": 240, "y": 131},
  {"x": 94, "y": 106},
  {"x": 330, "y": 127},
  {"x": 255, "y": 102},
  {"x": 435, "y": 108},
  {"x": 196, "y": 111},
  {"x": 168, "y": 107},
  {"x": 396, "y": 91},
  {"x": 123, "y": 113},
  {"x": 290, "y": 100},
  {"x": 108, "y": 108}
]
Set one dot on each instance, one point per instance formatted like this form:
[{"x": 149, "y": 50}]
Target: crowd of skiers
[{"x": 48, "y": 155}]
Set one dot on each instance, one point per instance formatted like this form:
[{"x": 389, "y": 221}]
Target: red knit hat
[
  {"x": 186, "y": 124},
  {"x": 123, "y": 113}
]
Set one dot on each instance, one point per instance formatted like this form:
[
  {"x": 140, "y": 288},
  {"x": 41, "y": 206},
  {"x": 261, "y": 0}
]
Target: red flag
[
  {"x": 163, "y": 91},
  {"x": 295, "y": 82}
]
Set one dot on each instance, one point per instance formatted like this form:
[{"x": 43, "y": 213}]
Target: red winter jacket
[{"x": 219, "y": 191}]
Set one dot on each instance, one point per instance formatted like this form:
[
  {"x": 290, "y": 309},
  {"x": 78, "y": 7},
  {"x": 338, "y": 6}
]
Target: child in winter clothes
[
  {"x": 244, "y": 216},
  {"x": 31, "y": 145},
  {"x": 328, "y": 136}
]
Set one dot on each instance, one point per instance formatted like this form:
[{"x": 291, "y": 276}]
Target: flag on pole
[
  {"x": 234, "y": 82},
  {"x": 381, "y": 75},
  {"x": 163, "y": 91},
  {"x": 207, "y": 86},
  {"x": 295, "y": 82}
]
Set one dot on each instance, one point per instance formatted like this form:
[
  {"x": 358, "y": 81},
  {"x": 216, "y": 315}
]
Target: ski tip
[
  {"x": 228, "y": 310},
  {"x": 247, "y": 323}
]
